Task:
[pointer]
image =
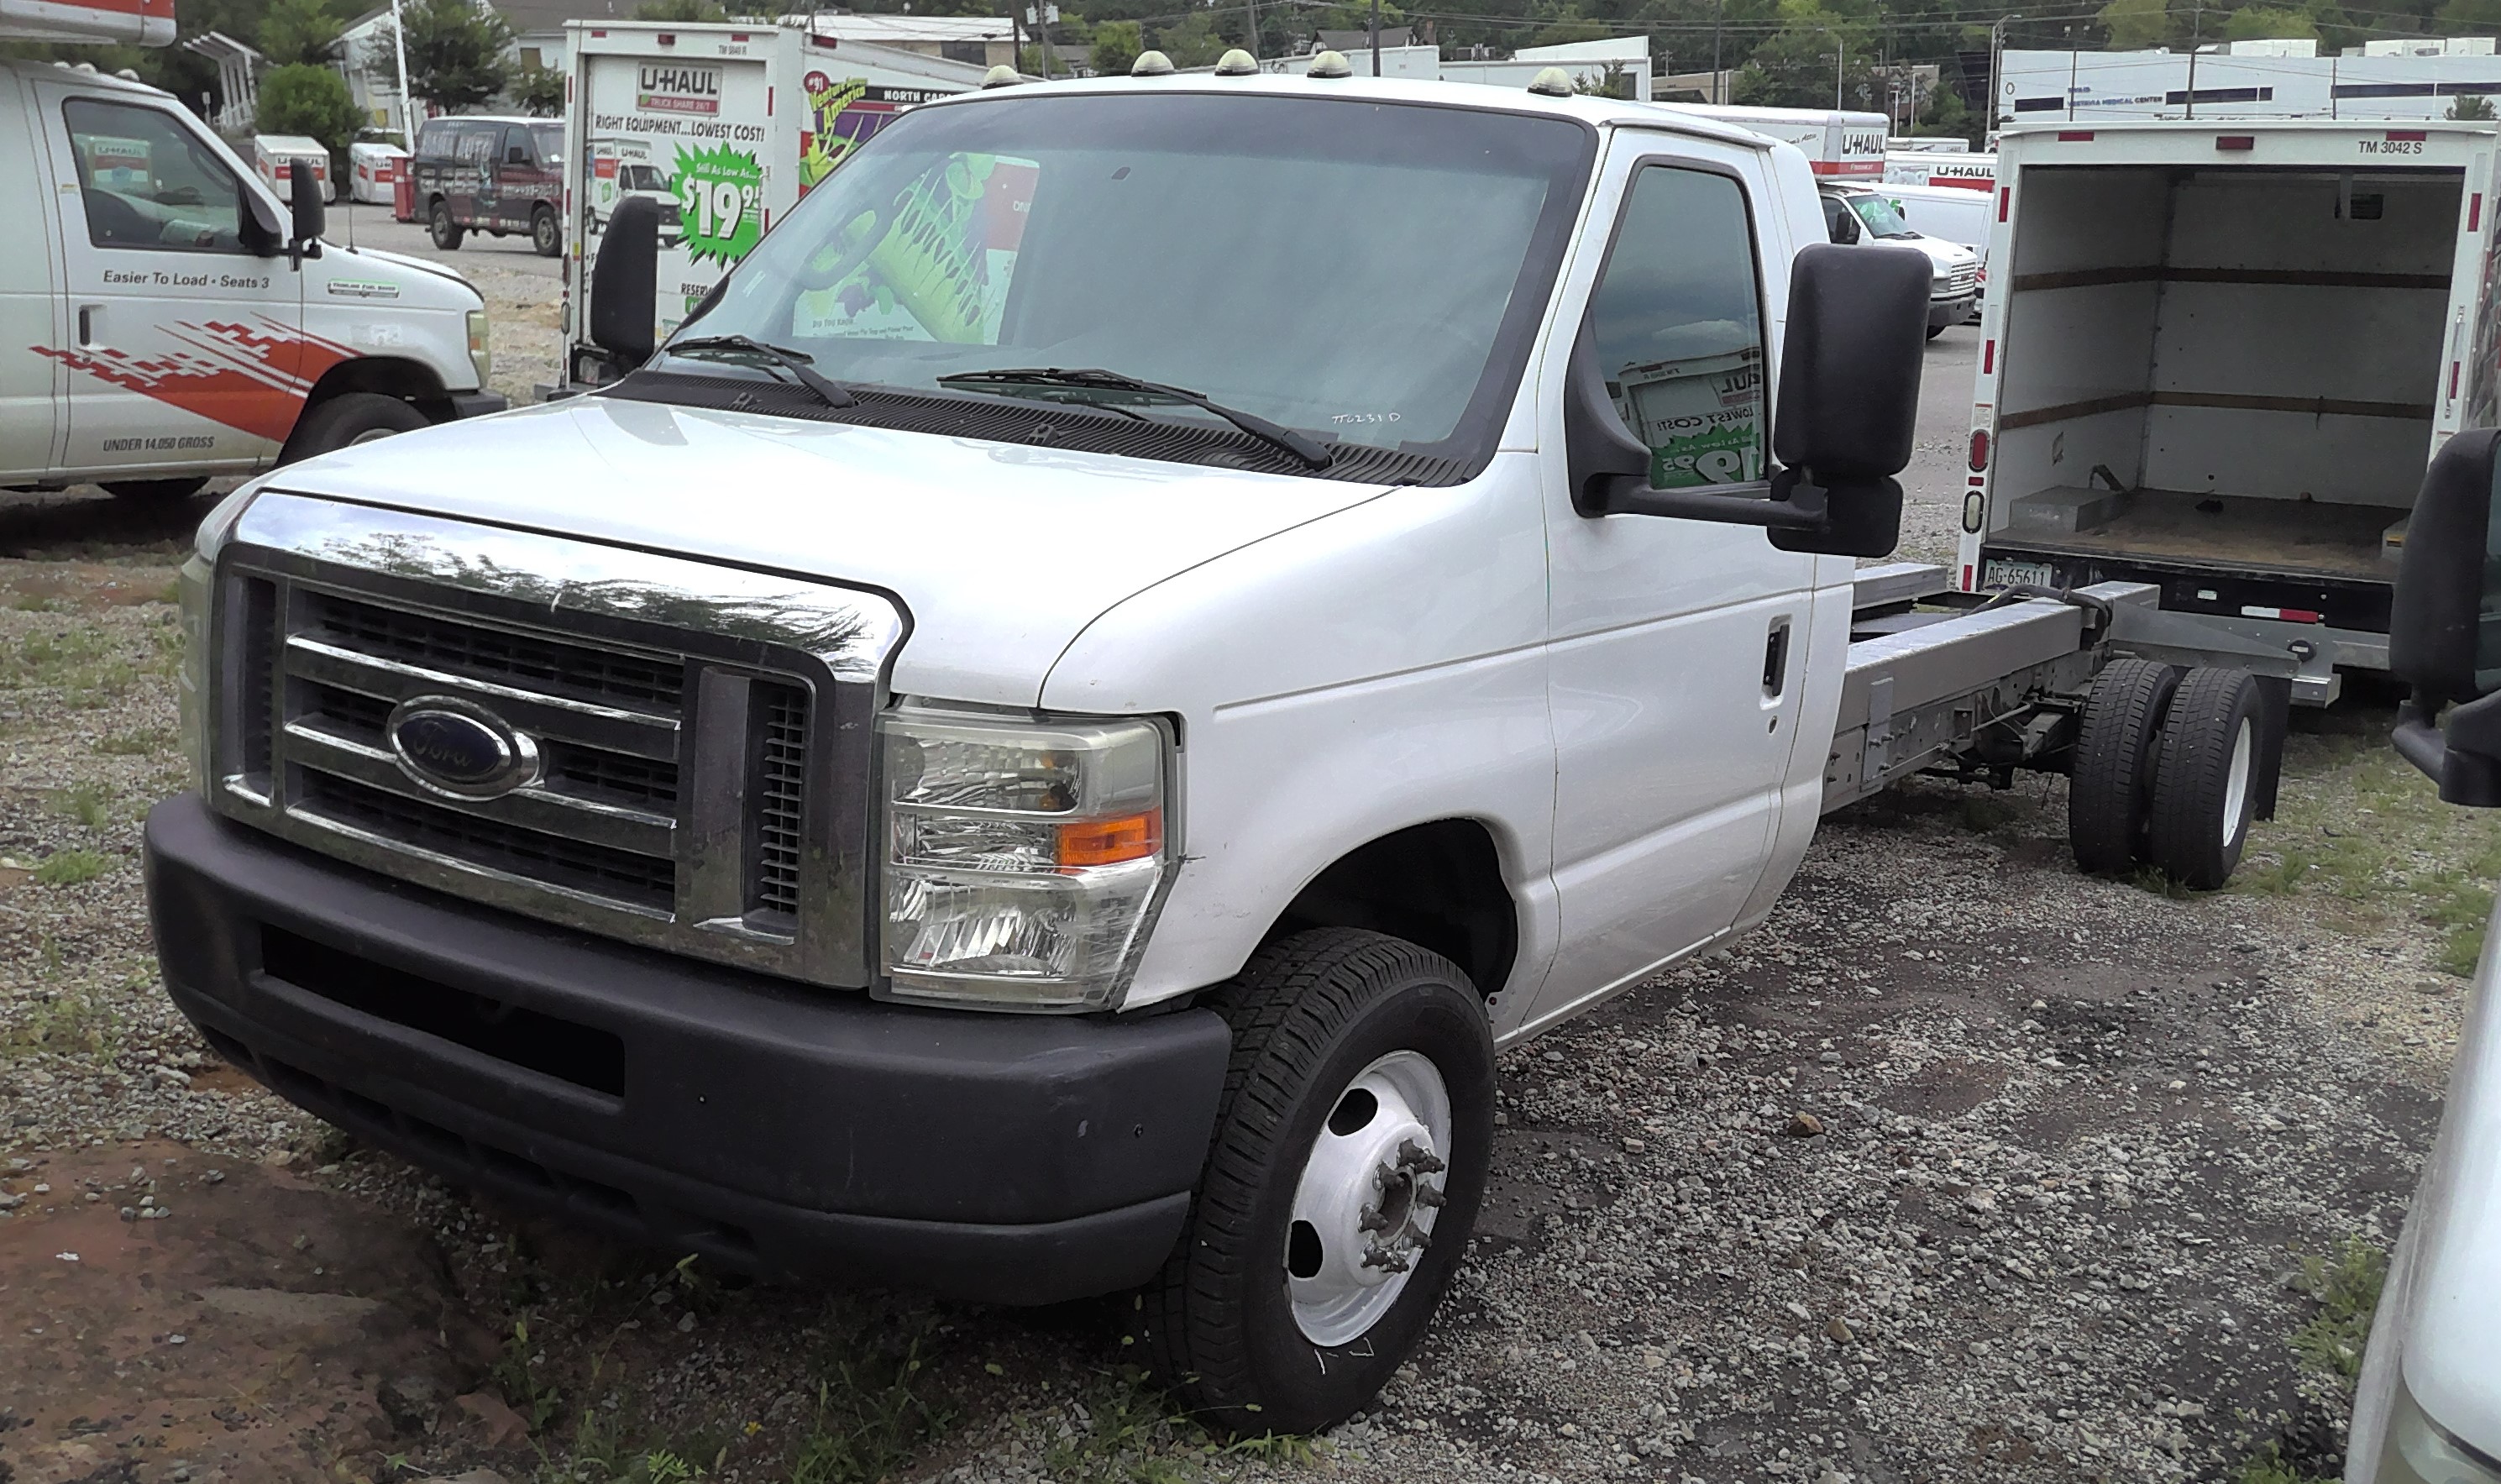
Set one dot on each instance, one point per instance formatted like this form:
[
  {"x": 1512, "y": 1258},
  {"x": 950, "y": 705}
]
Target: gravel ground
[{"x": 1964, "y": 1166}]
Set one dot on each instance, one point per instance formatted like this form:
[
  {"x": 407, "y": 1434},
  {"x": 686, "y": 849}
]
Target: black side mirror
[
  {"x": 304, "y": 202},
  {"x": 263, "y": 235},
  {"x": 2444, "y": 625},
  {"x": 1843, "y": 223},
  {"x": 1848, "y": 402},
  {"x": 624, "y": 292}
]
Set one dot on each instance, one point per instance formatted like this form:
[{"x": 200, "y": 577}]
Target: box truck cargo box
[
  {"x": 1976, "y": 173},
  {"x": 1849, "y": 144},
  {"x": 374, "y": 170},
  {"x": 2217, "y": 357},
  {"x": 272, "y": 156},
  {"x": 727, "y": 125},
  {"x": 127, "y": 22}
]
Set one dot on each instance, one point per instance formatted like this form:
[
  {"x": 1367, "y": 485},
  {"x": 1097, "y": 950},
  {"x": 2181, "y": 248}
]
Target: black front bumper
[
  {"x": 1944, "y": 313},
  {"x": 478, "y": 404},
  {"x": 796, "y": 1133}
]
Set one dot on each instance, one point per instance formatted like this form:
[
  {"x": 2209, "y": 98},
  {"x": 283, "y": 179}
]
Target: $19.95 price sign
[{"x": 721, "y": 202}]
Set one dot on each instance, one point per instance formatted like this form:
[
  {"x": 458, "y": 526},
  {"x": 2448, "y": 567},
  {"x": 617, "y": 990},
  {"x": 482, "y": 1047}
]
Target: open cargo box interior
[{"x": 2234, "y": 368}]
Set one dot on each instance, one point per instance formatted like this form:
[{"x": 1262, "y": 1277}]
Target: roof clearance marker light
[
  {"x": 2235, "y": 141},
  {"x": 1000, "y": 76},
  {"x": 1330, "y": 65},
  {"x": 1550, "y": 82},
  {"x": 1152, "y": 64},
  {"x": 1237, "y": 63}
]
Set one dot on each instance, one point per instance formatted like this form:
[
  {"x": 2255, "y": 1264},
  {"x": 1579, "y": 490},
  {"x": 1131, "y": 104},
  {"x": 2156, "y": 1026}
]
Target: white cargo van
[
  {"x": 2217, "y": 359},
  {"x": 169, "y": 319},
  {"x": 997, "y": 759}
]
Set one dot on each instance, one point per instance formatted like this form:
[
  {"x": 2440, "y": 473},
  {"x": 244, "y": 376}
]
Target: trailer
[{"x": 2216, "y": 359}]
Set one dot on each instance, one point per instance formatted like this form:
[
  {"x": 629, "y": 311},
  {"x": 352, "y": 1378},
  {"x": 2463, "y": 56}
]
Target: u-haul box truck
[
  {"x": 730, "y": 124},
  {"x": 1845, "y": 143}
]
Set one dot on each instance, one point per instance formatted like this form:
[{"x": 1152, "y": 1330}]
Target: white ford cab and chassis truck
[{"x": 890, "y": 786}]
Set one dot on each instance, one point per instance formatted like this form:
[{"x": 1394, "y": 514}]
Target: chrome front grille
[
  {"x": 695, "y": 768},
  {"x": 1959, "y": 281}
]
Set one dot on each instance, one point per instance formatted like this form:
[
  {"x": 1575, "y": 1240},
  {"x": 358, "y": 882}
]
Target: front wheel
[
  {"x": 352, "y": 417},
  {"x": 446, "y": 232},
  {"x": 544, "y": 237},
  {"x": 1351, "y": 1148},
  {"x": 156, "y": 492}
]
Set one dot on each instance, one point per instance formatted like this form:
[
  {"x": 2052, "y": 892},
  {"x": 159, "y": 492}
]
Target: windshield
[
  {"x": 640, "y": 178},
  {"x": 1365, "y": 272},
  {"x": 1883, "y": 217}
]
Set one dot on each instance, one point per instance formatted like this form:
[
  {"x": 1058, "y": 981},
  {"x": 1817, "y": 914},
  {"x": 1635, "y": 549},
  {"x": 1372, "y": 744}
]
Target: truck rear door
[
  {"x": 185, "y": 349},
  {"x": 32, "y": 385}
]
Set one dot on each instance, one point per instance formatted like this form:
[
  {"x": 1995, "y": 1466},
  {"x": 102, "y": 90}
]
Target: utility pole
[
  {"x": 1251, "y": 9},
  {"x": 407, "y": 104},
  {"x": 1840, "y": 50},
  {"x": 2196, "y": 36},
  {"x": 1719, "y": 8},
  {"x": 1996, "y": 66},
  {"x": 1376, "y": 38}
]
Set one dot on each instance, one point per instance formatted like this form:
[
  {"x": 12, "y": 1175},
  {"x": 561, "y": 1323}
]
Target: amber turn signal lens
[{"x": 1109, "y": 842}]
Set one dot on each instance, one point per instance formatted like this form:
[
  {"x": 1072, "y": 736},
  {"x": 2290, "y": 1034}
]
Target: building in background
[{"x": 2416, "y": 78}]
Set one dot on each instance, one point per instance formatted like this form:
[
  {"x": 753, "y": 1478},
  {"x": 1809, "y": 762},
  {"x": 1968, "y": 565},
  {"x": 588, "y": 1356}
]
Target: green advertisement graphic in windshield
[{"x": 721, "y": 193}]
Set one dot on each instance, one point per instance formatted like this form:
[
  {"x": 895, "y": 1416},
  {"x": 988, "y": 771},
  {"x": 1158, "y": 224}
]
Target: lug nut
[
  {"x": 1428, "y": 1196},
  {"x": 1413, "y": 1158}
]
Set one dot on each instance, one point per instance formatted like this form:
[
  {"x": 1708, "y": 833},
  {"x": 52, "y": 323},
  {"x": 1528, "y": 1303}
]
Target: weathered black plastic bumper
[
  {"x": 1944, "y": 313},
  {"x": 774, "y": 1129}
]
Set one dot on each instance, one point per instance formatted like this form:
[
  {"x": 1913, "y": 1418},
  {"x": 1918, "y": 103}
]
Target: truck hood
[
  {"x": 1943, "y": 254},
  {"x": 1001, "y": 552},
  {"x": 400, "y": 260}
]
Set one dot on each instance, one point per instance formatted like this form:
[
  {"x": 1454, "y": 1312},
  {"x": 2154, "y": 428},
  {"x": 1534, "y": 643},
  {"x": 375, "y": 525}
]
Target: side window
[
  {"x": 517, "y": 147},
  {"x": 147, "y": 182},
  {"x": 476, "y": 141},
  {"x": 1677, "y": 320}
]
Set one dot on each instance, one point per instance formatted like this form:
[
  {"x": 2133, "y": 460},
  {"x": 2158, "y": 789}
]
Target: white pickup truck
[{"x": 892, "y": 787}]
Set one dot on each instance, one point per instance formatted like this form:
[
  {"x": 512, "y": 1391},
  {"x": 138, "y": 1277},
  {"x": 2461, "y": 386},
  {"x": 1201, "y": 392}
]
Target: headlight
[
  {"x": 2420, "y": 1451},
  {"x": 194, "y": 585},
  {"x": 1022, "y": 859},
  {"x": 478, "y": 356}
]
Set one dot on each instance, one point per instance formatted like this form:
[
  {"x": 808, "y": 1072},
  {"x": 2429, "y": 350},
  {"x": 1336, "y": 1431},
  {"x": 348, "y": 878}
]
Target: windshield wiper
[
  {"x": 1304, "y": 449},
  {"x": 801, "y": 366}
]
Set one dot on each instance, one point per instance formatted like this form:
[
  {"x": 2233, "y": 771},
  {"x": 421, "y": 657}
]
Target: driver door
[{"x": 185, "y": 350}]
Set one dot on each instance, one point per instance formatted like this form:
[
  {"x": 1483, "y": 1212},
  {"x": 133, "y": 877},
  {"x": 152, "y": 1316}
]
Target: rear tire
[
  {"x": 156, "y": 492},
  {"x": 439, "y": 225},
  {"x": 542, "y": 233},
  {"x": 352, "y": 417},
  {"x": 1262, "y": 1321},
  {"x": 2205, "y": 781},
  {"x": 2111, "y": 782}
]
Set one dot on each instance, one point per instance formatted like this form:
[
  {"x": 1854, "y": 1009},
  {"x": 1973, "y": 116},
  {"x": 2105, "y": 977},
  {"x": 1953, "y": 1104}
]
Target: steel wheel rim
[
  {"x": 371, "y": 435},
  {"x": 2236, "y": 782},
  {"x": 1370, "y": 1191}
]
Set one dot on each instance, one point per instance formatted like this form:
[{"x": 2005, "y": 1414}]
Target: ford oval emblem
[{"x": 458, "y": 747}]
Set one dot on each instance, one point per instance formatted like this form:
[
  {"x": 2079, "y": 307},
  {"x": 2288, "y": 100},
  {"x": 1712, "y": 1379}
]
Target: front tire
[
  {"x": 446, "y": 232},
  {"x": 544, "y": 237},
  {"x": 1349, "y": 1156},
  {"x": 156, "y": 492},
  {"x": 352, "y": 417}
]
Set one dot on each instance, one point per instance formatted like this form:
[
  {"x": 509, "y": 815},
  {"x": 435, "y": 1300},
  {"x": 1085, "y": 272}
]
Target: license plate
[{"x": 2016, "y": 574}]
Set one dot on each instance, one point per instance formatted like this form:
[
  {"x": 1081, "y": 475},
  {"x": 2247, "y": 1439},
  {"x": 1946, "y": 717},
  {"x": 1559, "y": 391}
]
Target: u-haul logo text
[{"x": 668, "y": 88}]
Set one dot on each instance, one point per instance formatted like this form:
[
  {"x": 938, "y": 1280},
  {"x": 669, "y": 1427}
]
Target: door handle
[
  {"x": 87, "y": 323},
  {"x": 1776, "y": 658}
]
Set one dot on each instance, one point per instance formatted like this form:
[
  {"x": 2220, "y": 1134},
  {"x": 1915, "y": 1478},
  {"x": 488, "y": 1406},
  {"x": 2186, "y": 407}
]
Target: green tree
[
  {"x": 1194, "y": 42},
  {"x": 538, "y": 90},
  {"x": 1116, "y": 44},
  {"x": 310, "y": 99},
  {"x": 298, "y": 31},
  {"x": 2471, "y": 15},
  {"x": 455, "y": 52},
  {"x": 2471, "y": 106},
  {"x": 1945, "y": 117},
  {"x": 685, "y": 11},
  {"x": 1811, "y": 63},
  {"x": 2267, "y": 22},
  {"x": 2136, "y": 24}
]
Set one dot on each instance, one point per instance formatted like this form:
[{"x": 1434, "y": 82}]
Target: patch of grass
[
  {"x": 142, "y": 742},
  {"x": 1136, "y": 1434},
  {"x": 2267, "y": 1466},
  {"x": 2347, "y": 1285},
  {"x": 68, "y": 1021},
  {"x": 50, "y": 659},
  {"x": 520, "y": 1373},
  {"x": 2152, "y": 880},
  {"x": 72, "y": 868},
  {"x": 86, "y": 805}
]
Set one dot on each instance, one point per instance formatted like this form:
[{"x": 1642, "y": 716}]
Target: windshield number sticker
[{"x": 1364, "y": 417}]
